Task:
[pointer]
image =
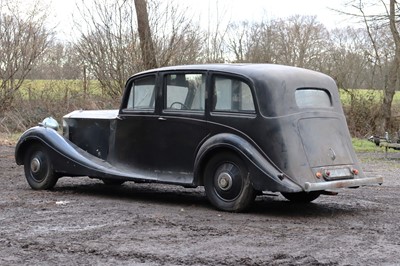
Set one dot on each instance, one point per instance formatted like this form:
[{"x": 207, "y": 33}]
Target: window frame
[
  {"x": 128, "y": 91},
  {"x": 167, "y": 110},
  {"x": 234, "y": 78},
  {"x": 310, "y": 105}
]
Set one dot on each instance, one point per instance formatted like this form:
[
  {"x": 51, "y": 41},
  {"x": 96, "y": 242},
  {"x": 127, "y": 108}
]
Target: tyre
[
  {"x": 302, "y": 197},
  {"x": 227, "y": 183},
  {"x": 38, "y": 168}
]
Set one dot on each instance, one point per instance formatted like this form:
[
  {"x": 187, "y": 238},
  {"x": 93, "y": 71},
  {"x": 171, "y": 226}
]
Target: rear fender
[{"x": 263, "y": 173}]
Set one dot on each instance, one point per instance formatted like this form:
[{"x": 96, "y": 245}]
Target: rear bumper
[{"x": 342, "y": 183}]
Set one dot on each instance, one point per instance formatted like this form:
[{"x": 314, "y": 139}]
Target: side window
[
  {"x": 185, "y": 92},
  {"x": 142, "y": 94},
  {"x": 232, "y": 95}
]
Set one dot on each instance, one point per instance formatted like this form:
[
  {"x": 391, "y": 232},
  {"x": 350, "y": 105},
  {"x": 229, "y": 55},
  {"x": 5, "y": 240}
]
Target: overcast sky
[{"x": 235, "y": 10}]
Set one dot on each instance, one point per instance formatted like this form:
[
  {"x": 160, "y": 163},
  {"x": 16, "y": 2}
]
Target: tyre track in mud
[{"x": 83, "y": 221}]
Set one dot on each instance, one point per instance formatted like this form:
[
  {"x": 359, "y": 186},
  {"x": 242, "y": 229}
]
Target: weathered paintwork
[{"x": 288, "y": 144}]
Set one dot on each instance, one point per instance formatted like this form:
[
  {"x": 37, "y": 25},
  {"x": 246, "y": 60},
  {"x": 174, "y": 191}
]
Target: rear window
[{"x": 313, "y": 98}]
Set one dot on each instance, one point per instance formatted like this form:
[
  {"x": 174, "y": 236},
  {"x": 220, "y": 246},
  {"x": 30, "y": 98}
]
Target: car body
[{"x": 236, "y": 129}]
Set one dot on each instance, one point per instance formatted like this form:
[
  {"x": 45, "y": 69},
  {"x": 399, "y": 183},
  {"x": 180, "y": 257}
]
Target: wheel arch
[
  {"x": 23, "y": 147},
  {"x": 264, "y": 174},
  {"x": 206, "y": 157},
  {"x": 44, "y": 136}
]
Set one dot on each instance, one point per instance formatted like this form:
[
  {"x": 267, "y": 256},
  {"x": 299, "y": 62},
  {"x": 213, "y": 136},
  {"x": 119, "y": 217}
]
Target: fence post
[{"x": 84, "y": 82}]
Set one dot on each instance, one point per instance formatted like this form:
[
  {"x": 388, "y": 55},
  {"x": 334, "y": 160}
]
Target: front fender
[
  {"x": 44, "y": 135},
  {"x": 263, "y": 173},
  {"x": 67, "y": 158}
]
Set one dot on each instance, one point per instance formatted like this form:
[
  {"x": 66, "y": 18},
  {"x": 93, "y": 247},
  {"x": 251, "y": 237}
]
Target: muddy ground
[{"x": 82, "y": 221}]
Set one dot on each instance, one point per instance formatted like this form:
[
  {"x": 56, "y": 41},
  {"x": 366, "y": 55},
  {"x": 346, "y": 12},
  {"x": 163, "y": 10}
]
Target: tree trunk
[
  {"x": 386, "y": 113},
  {"x": 146, "y": 41}
]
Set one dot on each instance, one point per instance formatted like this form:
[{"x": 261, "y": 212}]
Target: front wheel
[
  {"x": 227, "y": 183},
  {"x": 302, "y": 197},
  {"x": 38, "y": 168}
]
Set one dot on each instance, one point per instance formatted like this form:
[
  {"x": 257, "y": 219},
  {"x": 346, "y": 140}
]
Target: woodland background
[{"x": 41, "y": 75}]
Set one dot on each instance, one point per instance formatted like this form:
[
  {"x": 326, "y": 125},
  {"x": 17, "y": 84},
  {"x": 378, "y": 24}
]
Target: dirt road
[{"x": 85, "y": 222}]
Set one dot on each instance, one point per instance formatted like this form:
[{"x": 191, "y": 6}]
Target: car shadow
[
  {"x": 281, "y": 207},
  {"x": 151, "y": 193},
  {"x": 169, "y": 195}
]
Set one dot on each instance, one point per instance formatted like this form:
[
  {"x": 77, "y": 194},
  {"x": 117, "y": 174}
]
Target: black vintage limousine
[{"x": 236, "y": 129}]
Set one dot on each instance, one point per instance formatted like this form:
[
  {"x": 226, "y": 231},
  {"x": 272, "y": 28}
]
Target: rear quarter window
[
  {"x": 232, "y": 95},
  {"x": 313, "y": 98}
]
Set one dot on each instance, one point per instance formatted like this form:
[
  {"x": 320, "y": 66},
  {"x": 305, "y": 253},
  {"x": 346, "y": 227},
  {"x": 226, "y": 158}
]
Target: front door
[
  {"x": 161, "y": 128},
  {"x": 136, "y": 129}
]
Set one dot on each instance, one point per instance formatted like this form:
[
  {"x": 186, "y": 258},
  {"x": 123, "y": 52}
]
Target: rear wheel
[
  {"x": 302, "y": 197},
  {"x": 227, "y": 183},
  {"x": 38, "y": 168}
]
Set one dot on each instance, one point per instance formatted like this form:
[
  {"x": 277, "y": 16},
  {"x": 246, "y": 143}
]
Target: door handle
[{"x": 162, "y": 118}]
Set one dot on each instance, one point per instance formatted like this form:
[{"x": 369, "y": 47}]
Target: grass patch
[
  {"x": 58, "y": 89},
  {"x": 363, "y": 145},
  {"x": 375, "y": 95}
]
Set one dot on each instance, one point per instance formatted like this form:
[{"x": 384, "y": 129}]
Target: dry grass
[{"x": 9, "y": 139}]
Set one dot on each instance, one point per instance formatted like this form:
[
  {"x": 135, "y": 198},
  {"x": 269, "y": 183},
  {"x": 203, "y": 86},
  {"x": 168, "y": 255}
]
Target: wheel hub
[
  {"x": 224, "y": 181},
  {"x": 35, "y": 165}
]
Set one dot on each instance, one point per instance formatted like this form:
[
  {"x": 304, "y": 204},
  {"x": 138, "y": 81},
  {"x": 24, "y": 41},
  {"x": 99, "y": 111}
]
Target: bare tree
[
  {"x": 71, "y": 63},
  {"x": 215, "y": 47},
  {"x": 23, "y": 38},
  {"x": 386, "y": 108},
  {"x": 239, "y": 36},
  {"x": 114, "y": 46},
  {"x": 177, "y": 37},
  {"x": 387, "y": 62},
  {"x": 300, "y": 40},
  {"x": 59, "y": 61},
  {"x": 108, "y": 42},
  {"x": 347, "y": 58},
  {"x": 297, "y": 41},
  {"x": 262, "y": 44},
  {"x": 146, "y": 40}
]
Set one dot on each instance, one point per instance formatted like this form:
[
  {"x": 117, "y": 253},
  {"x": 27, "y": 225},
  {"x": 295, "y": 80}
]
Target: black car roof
[{"x": 251, "y": 70}]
